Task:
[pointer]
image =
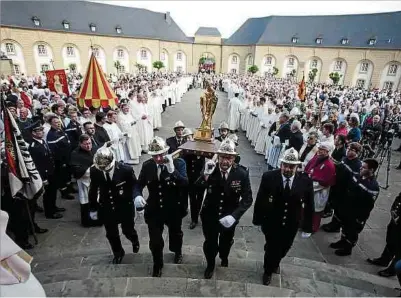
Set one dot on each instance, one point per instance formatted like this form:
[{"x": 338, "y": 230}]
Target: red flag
[
  {"x": 302, "y": 89},
  {"x": 27, "y": 101},
  {"x": 57, "y": 81}
]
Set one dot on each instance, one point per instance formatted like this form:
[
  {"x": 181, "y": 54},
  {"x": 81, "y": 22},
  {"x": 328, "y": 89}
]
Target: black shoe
[
  {"x": 193, "y": 225},
  {"x": 135, "y": 247},
  {"x": 157, "y": 271},
  {"x": 224, "y": 263},
  {"x": 39, "y": 209},
  {"x": 26, "y": 245},
  {"x": 39, "y": 230},
  {"x": 59, "y": 209},
  {"x": 329, "y": 228},
  {"x": 178, "y": 258},
  {"x": 342, "y": 252},
  {"x": 118, "y": 257},
  {"x": 267, "y": 278},
  {"x": 377, "y": 262},
  {"x": 54, "y": 216},
  {"x": 208, "y": 272},
  {"x": 387, "y": 272},
  {"x": 277, "y": 270},
  {"x": 327, "y": 214},
  {"x": 339, "y": 244}
]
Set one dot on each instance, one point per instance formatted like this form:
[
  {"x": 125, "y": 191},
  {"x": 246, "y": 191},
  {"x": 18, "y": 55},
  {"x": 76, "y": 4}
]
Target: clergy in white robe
[
  {"x": 140, "y": 112},
  {"x": 128, "y": 125},
  {"x": 117, "y": 137},
  {"x": 234, "y": 106},
  {"x": 155, "y": 109}
]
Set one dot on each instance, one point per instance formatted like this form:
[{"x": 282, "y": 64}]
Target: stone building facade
[{"x": 36, "y": 43}]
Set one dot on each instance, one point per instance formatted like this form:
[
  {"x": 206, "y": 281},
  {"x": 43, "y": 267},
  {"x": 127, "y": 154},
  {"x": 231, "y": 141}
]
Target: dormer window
[
  {"x": 294, "y": 40},
  {"x": 92, "y": 27},
  {"x": 66, "y": 25},
  {"x": 372, "y": 41},
  {"x": 36, "y": 21},
  {"x": 344, "y": 41},
  {"x": 119, "y": 30},
  {"x": 319, "y": 40},
  {"x": 389, "y": 40}
]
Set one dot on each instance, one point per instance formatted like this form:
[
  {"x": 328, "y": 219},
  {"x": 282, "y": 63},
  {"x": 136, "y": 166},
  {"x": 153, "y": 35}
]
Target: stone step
[
  {"x": 164, "y": 286},
  {"x": 295, "y": 278},
  {"x": 239, "y": 259}
]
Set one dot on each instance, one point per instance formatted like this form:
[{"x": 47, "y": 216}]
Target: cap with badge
[{"x": 36, "y": 126}]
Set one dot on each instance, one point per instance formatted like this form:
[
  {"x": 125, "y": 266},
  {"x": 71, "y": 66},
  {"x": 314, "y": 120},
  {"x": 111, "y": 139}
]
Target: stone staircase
[{"x": 91, "y": 274}]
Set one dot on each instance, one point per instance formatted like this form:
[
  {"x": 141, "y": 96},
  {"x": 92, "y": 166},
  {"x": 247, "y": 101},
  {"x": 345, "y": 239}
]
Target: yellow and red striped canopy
[{"x": 95, "y": 90}]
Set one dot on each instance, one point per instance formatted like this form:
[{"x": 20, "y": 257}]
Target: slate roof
[
  {"x": 134, "y": 22},
  {"x": 208, "y": 31},
  {"x": 358, "y": 29}
]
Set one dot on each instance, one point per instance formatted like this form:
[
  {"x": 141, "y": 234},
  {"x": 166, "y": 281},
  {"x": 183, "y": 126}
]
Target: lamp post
[{"x": 52, "y": 62}]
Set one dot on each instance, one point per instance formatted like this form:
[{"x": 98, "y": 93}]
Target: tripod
[{"x": 384, "y": 152}]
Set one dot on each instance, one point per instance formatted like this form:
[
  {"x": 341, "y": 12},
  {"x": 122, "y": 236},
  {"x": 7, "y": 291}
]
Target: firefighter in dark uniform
[
  {"x": 223, "y": 131},
  {"x": 392, "y": 252},
  {"x": 346, "y": 170},
  {"x": 178, "y": 139},
  {"x": 73, "y": 129},
  {"x": 164, "y": 177},
  {"x": 195, "y": 164},
  {"x": 360, "y": 199},
  {"x": 43, "y": 159},
  {"x": 113, "y": 183},
  {"x": 283, "y": 196},
  {"x": 60, "y": 146},
  {"x": 228, "y": 196}
]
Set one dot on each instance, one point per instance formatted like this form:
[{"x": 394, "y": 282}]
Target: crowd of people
[{"x": 319, "y": 163}]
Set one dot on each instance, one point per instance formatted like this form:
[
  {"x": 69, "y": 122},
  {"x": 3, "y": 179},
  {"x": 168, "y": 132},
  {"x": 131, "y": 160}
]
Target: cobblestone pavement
[{"x": 67, "y": 238}]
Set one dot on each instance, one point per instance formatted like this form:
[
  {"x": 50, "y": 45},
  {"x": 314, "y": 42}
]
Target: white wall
[
  {"x": 180, "y": 63},
  {"x": 359, "y": 75},
  {"x": 165, "y": 61},
  {"x": 42, "y": 59},
  {"x": 76, "y": 59},
  {"x": 249, "y": 61},
  {"x": 232, "y": 65},
  {"x": 309, "y": 66},
  {"x": 385, "y": 77},
  {"x": 123, "y": 61},
  {"x": 287, "y": 68},
  {"x": 17, "y": 57},
  {"x": 101, "y": 58},
  {"x": 145, "y": 61},
  {"x": 267, "y": 68},
  {"x": 341, "y": 71}
]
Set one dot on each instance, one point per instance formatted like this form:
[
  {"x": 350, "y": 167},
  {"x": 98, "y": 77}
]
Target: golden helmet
[{"x": 157, "y": 146}]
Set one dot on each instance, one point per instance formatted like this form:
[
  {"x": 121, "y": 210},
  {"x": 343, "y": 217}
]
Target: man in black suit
[
  {"x": 283, "y": 131},
  {"x": 283, "y": 196},
  {"x": 223, "y": 130},
  {"x": 113, "y": 183},
  {"x": 228, "y": 196},
  {"x": 178, "y": 139},
  {"x": 296, "y": 140},
  {"x": 43, "y": 159},
  {"x": 101, "y": 135},
  {"x": 194, "y": 164},
  {"x": 164, "y": 178}
]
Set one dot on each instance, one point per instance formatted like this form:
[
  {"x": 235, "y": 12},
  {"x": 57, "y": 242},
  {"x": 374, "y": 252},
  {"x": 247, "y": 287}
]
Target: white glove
[
  {"x": 210, "y": 165},
  {"x": 170, "y": 163},
  {"x": 93, "y": 215},
  {"x": 305, "y": 235},
  {"x": 227, "y": 221},
  {"x": 139, "y": 202}
]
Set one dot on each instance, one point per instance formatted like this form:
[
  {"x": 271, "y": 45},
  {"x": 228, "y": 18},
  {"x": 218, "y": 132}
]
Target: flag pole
[{"x": 31, "y": 222}]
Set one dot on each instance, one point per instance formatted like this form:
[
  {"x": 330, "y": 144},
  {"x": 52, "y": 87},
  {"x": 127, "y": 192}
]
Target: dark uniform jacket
[
  {"x": 115, "y": 198},
  {"x": 101, "y": 135},
  {"x": 220, "y": 138},
  {"x": 396, "y": 210},
  {"x": 296, "y": 141},
  {"x": 81, "y": 160},
  {"x": 73, "y": 131},
  {"x": 60, "y": 146},
  {"x": 165, "y": 199},
  {"x": 233, "y": 197},
  {"x": 43, "y": 158},
  {"x": 284, "y": 131},
  {"x": 173, "y": 144},
  {"x": 194, "y": 165},
  {"x": 275, "y": 213}
]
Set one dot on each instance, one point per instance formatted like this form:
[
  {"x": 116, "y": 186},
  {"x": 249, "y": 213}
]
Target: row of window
[{"x": 344, "y": 41}]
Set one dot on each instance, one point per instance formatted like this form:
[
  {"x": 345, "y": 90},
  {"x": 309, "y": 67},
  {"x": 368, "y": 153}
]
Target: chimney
[{"x": 167, "y": 17}]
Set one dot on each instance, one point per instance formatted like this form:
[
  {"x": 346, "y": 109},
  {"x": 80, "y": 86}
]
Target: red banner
[
  {"x": 302, "y": 89},
  {"x": 57, "y": 81}
]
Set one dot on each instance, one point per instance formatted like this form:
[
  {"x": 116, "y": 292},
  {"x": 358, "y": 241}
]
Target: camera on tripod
[{"x": 388, "y": 137}]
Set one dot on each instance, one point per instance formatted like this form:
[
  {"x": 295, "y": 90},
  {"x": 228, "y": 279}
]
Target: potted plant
[
  {"x": 158, "y": 65},
  {"x": 312, "y": 74},
  {"x": 335, "y": 77},
  {"x": 253, "y": 69}
]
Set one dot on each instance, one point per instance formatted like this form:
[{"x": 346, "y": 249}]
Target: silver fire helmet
[
  {"x": 103, "y": 159},
  {"x": 157, "y": 146}
]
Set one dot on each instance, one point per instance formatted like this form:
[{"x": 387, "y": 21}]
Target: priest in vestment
[
  {"x": 234, "y": 110},
  {"x": 117, "y": 137},
  {"x": 128, "y": 125},
  {"x": 140, "y": 112},
  {"x": 155, "y": 109}
]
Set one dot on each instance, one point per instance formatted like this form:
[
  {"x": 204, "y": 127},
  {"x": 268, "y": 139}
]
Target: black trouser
[
  {"x": 113, "y": 233},
  {"x": 49, "y": 197},
  {"x": 156, "y": 242},
  {"x": 218, "y": 239},
  {"x": 277, "y": 245},
  {"x": 350, "y": 231},
  {"x": 63, "y": 177},
  {"x": 392, "y": 251},
  {"x": 19, "y": 220},
  {"x": 195, "y": 201}
]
